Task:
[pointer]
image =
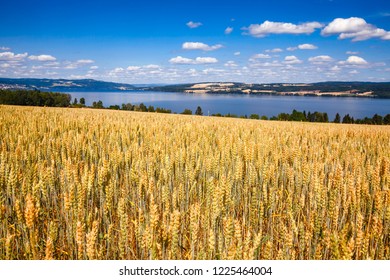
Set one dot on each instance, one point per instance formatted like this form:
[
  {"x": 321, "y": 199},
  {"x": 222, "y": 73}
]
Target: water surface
[{"x": 243, "y": 104}]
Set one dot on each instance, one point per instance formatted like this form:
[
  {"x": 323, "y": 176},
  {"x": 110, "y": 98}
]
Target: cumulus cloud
[
  {"x": 230, "y": 63},
  {"x": 292, "y": 59},
  {"x": 192, "y": 24},
  {"x": 269, "y": 27},
  {"x": 335, "y": 68},
  {"x": 42, "y": 57},
  {"x": 354, "y": 60},
  {"x": 181, "y": 60},
  {"x": 152, "y": 66},
  {"x": 237, "y": 53},
  {"x": 320, "y": 59},
  {"x": 200, "y": 46},
  {"x": 274, "y": 63},
  {"x": 198, "y": 60},
  {"x": 355, "y": 28},
  {"x": 94, "y": 67},
  {"x": 205, "y": 60},
  {"x": 10, "y": 56},
  {"x": 260, "y": 56},
  {"x": 4, "y": 49},
  {"x": 118, "y": 70},
  {"x": 228, "y": 30},
  {"x": 85, "y": 61},
  {"x": 77, "y": 64},
  {"x": 292, "y": 49},
  {"x": 303, "y": 47},
  {"x": 133, "y": 68},
  {"x": 307, "y": 47},
  {"x": 276, "y": 50}
]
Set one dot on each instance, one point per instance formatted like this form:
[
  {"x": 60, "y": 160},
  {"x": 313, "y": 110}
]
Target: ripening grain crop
[{"x": 100, "y": 184}]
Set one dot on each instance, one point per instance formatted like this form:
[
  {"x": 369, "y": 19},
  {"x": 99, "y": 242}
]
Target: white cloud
[
  {"x": 52, "y": 64},
  {"x": 200, "y": 46},
  {"x": 85, "y": 61},
  {"x": 269, "y": 27},
  {"x": 335, "y": 68},
  {"x": 5, "y": 65},
  {"x": 117, "y": 70},
  {"x": 307, "y": 47},
  {"x": 354, "y": 60},
  {"x": 4, "y": 49},
  {"x": 133, "y": 68},
  {"x": 181, "y": 60},
  {"x": 10, "y": 56},
  {"x": 276, "y": 50},
  {"x": 355, "y": 28},
  {"x": 192, "y": 24},
  {"x": 230, "y": 63},
  {"x": 76, "y": 64},
  {"x": 292, "y": 59},
  {"x": 354, "y": 72},
  {"x": 303, "y": 47},
  {"x": 198, "y": 60},
  {"x": 292, "y": 49},
  {"x": 47, "y": 65},
  {"x": 205, "y": 60},
  {"x": 209, "y": 71},
  {"x": 94, "y": 67},
  {"x": 261, "y": 56},
  {"x": 237, "y": 53},
  {"x": 228, "y": 30},
  {"x": 274, "y": 63},
  {"x": 352, "y": 53},
  {"x": 192, "y": 72},
  {"x": 42, "y": 57},
  {"x": 152, "y": 66},
  {"x": 320, "y": 59}
]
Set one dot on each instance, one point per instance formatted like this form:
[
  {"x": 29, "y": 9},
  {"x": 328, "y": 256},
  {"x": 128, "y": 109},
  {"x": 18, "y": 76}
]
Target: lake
[{"x": 243, "y": 104}]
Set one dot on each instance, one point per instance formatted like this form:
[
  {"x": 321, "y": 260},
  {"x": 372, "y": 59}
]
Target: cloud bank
[
  {"x": 354, "y": 28},
  {"x": 270, "y": 27}
]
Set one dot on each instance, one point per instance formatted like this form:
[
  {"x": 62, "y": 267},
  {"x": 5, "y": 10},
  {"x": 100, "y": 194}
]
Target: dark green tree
[
  {"x": 98, "y": 105},
  {"x": 297, "y": 116},
  {"x": 386, "y": 119},
  {"x": 114, "y": 107},
  {"x": 347, "y": 119},
  {"x": 82, "y": 101},
  {"x": 377, "y": 119},
  {"x": 199, "y": 111},
  {"x": 337, "y": 118},
  {"x": 187, "y": 112},
  {"x": 127, "y": 107}
]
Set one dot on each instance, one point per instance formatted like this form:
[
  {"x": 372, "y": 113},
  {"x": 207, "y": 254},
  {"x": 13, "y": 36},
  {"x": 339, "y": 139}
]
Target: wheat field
[{"x": 100, "y": 184}]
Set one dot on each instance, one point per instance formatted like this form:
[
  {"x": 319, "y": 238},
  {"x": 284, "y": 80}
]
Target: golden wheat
[{"x": 100, "y": 184}]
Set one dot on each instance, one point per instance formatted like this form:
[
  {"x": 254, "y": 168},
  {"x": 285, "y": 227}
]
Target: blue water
[{"x": 243, "y": 104}]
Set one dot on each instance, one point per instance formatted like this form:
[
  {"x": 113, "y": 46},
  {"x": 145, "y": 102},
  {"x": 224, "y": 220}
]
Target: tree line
[{"x": 34, "y": 98}]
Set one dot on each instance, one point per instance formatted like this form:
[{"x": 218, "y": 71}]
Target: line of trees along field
[
  {"x": 34, "y": 98},
  {"x": 54, "y": 99}
]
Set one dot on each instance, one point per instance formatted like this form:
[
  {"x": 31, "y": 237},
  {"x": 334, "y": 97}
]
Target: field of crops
[{"x": 101, "y": 184}]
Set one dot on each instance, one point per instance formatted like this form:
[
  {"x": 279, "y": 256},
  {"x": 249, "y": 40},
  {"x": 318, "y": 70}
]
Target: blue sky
[{"x": 194, "y": 41}]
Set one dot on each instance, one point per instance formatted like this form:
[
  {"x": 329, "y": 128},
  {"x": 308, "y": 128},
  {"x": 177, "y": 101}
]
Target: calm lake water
[{"x": 243, "y": 104}]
